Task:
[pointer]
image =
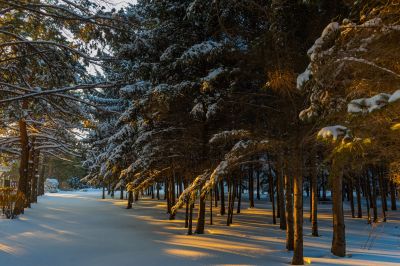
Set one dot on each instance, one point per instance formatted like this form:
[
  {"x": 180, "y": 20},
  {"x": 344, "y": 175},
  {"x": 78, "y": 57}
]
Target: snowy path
[{"x": 78, "y": 228}]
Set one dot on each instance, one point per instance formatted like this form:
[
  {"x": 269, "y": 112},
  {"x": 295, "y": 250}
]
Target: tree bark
[
  {"x": 272, "y": 196},
  {"x": 222, "y": 207},
  {"x": 350, "y": 192},
  {"x": 251, "y": 188},
  {"x": 298, "y": 258},
  {"x": 392, "y": 196},
  {"x": 201, "y": 215},
  {"x": 289, "y": 214},
  {"x": 373, "y": 187},
  {"x": 258, "y": 185},
  {"x": 190, "y": 226},
  {"x": 281, "y": 202},
  {"x": 239, "y": 194},
  {"x": 314, "y": 197},
  {"x": 130, "y": 200},
  {"x": 24, "y": 162},
  {"x": 339, "y": 239},
  {"x": 358, "y": 188}
]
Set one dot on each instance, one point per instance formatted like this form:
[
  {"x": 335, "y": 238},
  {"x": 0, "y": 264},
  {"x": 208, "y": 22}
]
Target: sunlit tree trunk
[
  {"x": 298, "y": 258},
  {"x": 339, "y": 239},
  {"x": 24, "y": 162},
  {"x": 314, "y": 202}
]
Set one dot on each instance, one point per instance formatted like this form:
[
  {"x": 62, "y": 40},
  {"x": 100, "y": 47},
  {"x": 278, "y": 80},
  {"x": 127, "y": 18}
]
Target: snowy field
[{"x": 78, "y": 228}]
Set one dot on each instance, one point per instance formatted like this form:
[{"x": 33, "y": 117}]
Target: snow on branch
[
  {"x": 230, "y": 135},
  {"x": 376, "y": 102},
  {"x": 363, "y": 61},
  {"x": 186, "y": 195},
  {"x": 333, "y": 132}
]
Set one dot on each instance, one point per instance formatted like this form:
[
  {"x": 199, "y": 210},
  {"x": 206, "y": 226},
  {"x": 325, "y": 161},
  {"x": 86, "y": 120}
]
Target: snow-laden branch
[{"x": 99, "y": 85}]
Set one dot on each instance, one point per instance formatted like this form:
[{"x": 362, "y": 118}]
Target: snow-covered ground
[{"x": 78, "y": 228}]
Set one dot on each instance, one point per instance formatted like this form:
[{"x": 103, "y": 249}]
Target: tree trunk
[
  {"x": 382, "y": 193},
  {"x": 339, "y": 239},
  {"x": 187, "y": 214},
  {"x": 251, "y": 188},
  {"x": 358, "y": 188},
  {"x": 298, "y": 258},
  {"x": 289, "y": 214},
  {"x": 393, "y": 196},
  {"x": 121, "y": 195},
  {"x": 104, "y": 192},
  {"x": 314, "y": 205},
  {"x": 258, "y": 185},
  {"x": 201, "y": 215},
  {"x": 350, "y": 192},
  {"x": 35, "y": 180},
  {"x": 239, "y": 194},
  {"x": 24, "y": 163},
  {"x": 373, "y": 187},
  {"x": 229, "y": 202},
  {"x": 190, "y": 226},
  {"x": 216, "y": 196},
  {"x": 41, "y": 177},
  {"x": 130, "y": 200},
  {"x": 367, "y": 196},
  {"x": 222, "y": 207},
  {"x": 211, "y": 205},
  {"x": 281, "y": 202},
  {"x": 272, "y": 196}
]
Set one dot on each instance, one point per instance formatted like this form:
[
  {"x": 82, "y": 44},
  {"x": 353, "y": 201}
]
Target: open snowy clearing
[{"x": 78, "y": 228}]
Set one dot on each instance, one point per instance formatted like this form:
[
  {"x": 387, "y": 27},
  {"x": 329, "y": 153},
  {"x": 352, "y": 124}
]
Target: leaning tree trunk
[
  {"x": 289, "y": 214},
  {"x": 298, "y": 258},
  {"x": 339, "y": 239}
]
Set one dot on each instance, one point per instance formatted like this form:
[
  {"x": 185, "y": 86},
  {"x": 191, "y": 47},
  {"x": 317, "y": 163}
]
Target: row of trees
[
  {"x": 198, "y": 95},
  {"x": 43, "y": 80},
  {"x": 215, "y": 97}
]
